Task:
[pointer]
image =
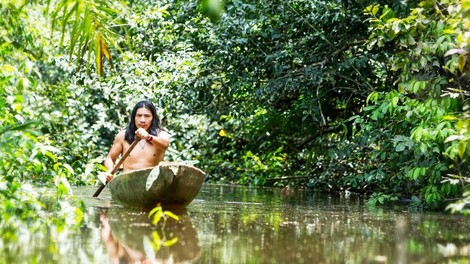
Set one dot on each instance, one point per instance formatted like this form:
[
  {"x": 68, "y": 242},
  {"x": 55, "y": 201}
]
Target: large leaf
[{"x": 90, "y": 27}]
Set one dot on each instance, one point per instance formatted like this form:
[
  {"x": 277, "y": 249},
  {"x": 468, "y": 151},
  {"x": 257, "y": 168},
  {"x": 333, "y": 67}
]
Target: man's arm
[
  {"x": 114, "y": 152},
  {"x": 162, "y": 141}
]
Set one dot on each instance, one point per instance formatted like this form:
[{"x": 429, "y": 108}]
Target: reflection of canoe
[
  {"x": 169, "y": 183},
  {"x": 132, "y": 231}
]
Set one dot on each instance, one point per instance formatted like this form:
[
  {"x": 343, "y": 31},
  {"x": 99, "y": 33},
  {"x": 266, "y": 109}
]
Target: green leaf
[
  {"x": 155, "y": 210},
  {"x": 172, "y": 215},
  {"x": 453, "y": 138},
  {"x": 462, "y": 148},
  {"x": 461, "y": 62},
  {"x": 156, "y": 240},
  {"x": 156, "y": 217},
  {"x": 170, "y": 242},
  {"x": 400, "y": 147},
  {"x": 375, "y": 9},
  {"x": 450, "y": 118},
  {"x": 372, "y": 98}
]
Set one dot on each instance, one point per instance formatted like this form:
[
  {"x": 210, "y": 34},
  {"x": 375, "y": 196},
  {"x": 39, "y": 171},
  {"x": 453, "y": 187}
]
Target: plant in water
[{"x": 157, "y": 214}]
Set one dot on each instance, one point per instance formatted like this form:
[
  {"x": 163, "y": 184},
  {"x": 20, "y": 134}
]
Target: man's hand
[
  {"x": 109, "y": 177},
  {"x": 142, "y": 134}
]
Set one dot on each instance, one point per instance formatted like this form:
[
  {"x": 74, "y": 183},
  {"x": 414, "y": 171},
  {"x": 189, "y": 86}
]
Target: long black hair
[{"x": 154, "y": 125}]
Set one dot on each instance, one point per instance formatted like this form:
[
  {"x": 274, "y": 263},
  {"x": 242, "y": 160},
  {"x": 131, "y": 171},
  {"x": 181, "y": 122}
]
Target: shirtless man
[{"x": 149, "y": 151}]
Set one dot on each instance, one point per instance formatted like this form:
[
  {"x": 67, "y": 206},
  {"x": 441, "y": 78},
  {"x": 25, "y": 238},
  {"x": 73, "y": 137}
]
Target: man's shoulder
[{"x": 121, "y": 135}]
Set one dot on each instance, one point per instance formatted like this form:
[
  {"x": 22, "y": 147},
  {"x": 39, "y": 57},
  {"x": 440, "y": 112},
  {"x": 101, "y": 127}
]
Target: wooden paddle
[{"x": 116, "y": 168}]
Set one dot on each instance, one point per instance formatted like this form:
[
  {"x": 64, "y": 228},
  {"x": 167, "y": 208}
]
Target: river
[{"x": 233, "y": 224}]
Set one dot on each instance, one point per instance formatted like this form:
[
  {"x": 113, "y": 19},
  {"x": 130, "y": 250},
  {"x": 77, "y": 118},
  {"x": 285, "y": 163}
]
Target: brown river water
[{"x": 232, "y": 224}]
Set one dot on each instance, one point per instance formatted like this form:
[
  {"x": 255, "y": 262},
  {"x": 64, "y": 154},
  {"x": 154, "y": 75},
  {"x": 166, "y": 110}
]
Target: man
[{"x": 149, "y": 151}]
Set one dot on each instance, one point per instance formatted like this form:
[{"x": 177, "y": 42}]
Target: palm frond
[{"x": 88, "y": 24}]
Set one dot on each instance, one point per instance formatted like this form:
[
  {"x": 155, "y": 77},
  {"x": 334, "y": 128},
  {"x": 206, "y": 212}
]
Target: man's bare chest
[{"x": 143, "y": 149}]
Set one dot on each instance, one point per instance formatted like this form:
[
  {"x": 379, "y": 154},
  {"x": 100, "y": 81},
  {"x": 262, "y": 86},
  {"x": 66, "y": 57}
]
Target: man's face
[{"x": 143, "y": 118}]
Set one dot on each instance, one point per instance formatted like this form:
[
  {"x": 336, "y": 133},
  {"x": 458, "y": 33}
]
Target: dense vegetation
[{"x": 359, "y": 96}]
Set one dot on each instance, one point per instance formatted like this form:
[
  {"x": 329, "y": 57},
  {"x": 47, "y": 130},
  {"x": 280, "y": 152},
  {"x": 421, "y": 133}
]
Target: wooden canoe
[{"x": 169, "y": 183}]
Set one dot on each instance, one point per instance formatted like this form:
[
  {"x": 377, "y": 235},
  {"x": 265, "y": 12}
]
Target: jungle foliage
[{"x": 360, "y": 96}]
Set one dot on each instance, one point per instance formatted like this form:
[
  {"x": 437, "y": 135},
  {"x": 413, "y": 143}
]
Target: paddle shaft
[{"x": 116, "y": 168}]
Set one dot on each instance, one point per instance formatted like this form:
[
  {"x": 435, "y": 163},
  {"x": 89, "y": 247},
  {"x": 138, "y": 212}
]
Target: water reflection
[
  {"x": 265, "y": 226},
  {"x": 129, "y": 238},
  {"x": 229, "y": 224}
]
